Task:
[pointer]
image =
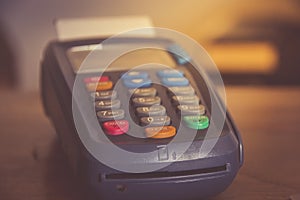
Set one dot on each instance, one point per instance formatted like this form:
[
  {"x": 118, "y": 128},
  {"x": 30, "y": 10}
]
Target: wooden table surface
[{"x": 32, "y": 164}]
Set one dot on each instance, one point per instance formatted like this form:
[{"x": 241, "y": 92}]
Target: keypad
[{"x": 146, "y": 103}]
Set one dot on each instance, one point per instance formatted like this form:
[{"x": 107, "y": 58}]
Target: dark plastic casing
[{"x": 187, "y": 179}]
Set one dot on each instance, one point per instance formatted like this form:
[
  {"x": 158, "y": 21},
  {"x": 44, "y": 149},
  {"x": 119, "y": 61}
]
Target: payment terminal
[{"x": 148, "y": 102}]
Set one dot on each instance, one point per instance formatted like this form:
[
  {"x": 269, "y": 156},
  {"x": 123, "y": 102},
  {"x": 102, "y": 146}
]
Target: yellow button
[
  {"x": 107, "y": 85},
  {"x": 160, "y": 132}
]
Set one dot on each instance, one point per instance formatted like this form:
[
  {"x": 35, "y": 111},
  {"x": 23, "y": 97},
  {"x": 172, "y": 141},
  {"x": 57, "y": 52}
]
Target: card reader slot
[{"x": 166, "y": 174}]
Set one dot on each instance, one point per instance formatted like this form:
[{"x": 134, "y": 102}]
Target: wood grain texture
[{"x": 32, "y": 164}]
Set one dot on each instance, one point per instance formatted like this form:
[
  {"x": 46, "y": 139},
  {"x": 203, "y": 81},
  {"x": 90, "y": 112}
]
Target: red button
[
  {"x": 95, "y": 79},
  {"x": 117, "y": 127}
]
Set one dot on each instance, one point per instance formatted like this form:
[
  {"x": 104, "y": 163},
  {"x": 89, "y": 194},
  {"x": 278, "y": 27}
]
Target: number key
[
  {"x": 106, "y": 115},
  {"x": 151, "y": 111},
  {"x": 146, "y": 101},
  {"x": 156, "y": 121},
  {"x": 104, "y": 105}
]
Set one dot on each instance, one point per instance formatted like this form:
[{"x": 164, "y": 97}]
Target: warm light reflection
[{"x": 254, "y": 57}]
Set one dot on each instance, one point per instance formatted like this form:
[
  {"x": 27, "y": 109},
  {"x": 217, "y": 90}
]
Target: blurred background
[
  {"x": 254, "y": 43},
  {"x": 251, "y": 41}
]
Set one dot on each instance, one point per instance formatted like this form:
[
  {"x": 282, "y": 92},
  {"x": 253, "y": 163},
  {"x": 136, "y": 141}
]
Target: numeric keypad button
[
  {"x": 185, "y": 90},
  {"x": 155, "y": 121},
  {"x": 143, "y": 92},
  {"x": 104, "y": 95},
  {"x": 106, "y": 115},
  {"x": 146, "y": 101},
  {"x": 108, "y": 104},
  {"x": 185, "y": 99},
  {"x": 191, "y": 109},
  {"x": 151, "y": 111}
]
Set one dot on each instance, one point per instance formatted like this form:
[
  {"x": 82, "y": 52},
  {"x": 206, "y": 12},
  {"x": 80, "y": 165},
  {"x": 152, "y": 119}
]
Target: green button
[{"x": 196, "y": 121}]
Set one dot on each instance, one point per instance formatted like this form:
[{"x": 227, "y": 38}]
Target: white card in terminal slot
[{"x": 97, "y": 27}]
